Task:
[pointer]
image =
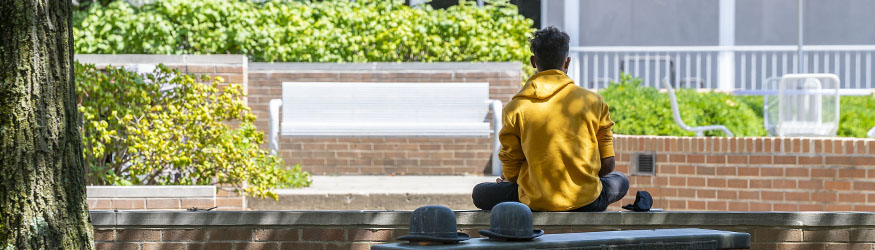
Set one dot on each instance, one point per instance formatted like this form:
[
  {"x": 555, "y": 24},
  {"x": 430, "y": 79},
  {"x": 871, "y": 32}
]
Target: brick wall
[
  {"x": 389, "y": 155},
  {"x": 383, "y": 155},
  {"x": 240, "y": 238},
  {"x": 362, "y": 238},
  {"x": 361, "y": 230},
  {"x": 754, "y": 174}
]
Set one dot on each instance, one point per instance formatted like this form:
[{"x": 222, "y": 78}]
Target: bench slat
[
  {"x": 385, "y": 109},
  {"x": 383, "y": 129}
]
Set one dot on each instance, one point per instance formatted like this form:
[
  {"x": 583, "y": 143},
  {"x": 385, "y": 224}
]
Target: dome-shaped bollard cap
[
  {"x": 511, "y": 221},
  {"x": 434, "y": 224}
]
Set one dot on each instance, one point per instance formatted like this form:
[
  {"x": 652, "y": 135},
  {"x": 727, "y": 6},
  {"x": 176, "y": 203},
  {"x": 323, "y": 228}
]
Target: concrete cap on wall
[
  {"x": 151, "y": 191},
  {"x": 107, "y": 59},
  {"x": 102, "y": 218}
]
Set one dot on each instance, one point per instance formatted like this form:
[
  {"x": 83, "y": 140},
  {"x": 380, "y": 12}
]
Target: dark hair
[{"x": 550, "y": 46}]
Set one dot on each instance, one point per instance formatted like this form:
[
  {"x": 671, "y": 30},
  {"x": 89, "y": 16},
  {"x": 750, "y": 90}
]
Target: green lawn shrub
[
  {"x": 308, "y": 31},
  {"x": 857, "y": 115},
  {"x": 165, "y": 128},
  {"x": 639, "y": 110}
]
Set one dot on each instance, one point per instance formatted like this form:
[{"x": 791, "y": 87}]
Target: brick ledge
[{"x": 106, "y": 218}]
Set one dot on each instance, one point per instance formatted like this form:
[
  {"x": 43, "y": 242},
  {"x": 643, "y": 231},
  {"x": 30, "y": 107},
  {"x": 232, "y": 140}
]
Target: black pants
[{"x": 488, "y": 194}]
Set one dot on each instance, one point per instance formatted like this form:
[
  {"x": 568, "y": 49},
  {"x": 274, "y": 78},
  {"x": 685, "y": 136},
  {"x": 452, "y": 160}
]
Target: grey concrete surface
[
  {"x": 138, "y": 218},
  {"x": 395, "y": 201},
  {"x": 103, "y": 59},
  {"x": 364, "y": 184},
  {"x": 151, "y": 191},
  {"x": 375, "y": 193}
]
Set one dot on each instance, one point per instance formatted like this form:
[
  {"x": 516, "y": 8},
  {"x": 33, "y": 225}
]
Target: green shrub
[
  {"x": 305, "y": 31},
  {"x": 857, "y": 115},
  {"x": 639, "y": 110},
  {"x": 135, "y": 132}
]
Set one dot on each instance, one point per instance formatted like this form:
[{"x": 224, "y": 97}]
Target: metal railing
[{"x": 720, "y": 67}]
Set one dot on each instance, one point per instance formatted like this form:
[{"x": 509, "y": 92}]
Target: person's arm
[
  {"x": 511, "y": 154},
  {"x": 606, "y": 141},
  {"x": 607, "y": 166}
]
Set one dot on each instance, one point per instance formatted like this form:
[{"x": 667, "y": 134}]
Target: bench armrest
[
  {"x": 274, "y": 110},
  {"x": 496, "y": 106}
]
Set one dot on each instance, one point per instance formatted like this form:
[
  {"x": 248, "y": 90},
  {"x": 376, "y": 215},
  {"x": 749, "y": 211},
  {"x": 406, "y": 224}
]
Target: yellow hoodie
[{"x": 554, "y": 136}]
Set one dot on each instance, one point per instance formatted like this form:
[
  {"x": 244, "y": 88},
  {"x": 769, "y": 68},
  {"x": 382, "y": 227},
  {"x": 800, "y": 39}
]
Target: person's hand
[{"x": 501, "y": 179}]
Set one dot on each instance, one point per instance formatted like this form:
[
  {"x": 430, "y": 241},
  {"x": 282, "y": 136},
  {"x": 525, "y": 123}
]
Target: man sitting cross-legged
[{"x": 556, "y": 144}]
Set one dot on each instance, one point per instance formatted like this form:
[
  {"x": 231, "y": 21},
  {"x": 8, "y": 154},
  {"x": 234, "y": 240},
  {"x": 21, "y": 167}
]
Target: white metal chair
[
  {"x": 808, "y": 105},
  {"x": 770, "y": 105},
  {"x": 676, "y": 113}
]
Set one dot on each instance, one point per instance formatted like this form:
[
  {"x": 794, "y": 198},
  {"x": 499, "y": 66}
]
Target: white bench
[{"x": 367, "y": 109}]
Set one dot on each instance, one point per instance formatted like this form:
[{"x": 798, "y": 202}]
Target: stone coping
[
  {"x": 104, "y": 218},
  {"x": 388, "y": 66},
  {"x": 151, "y": 191},
  {"x": 240, "y": 59},
  {"x": 380, "y": 184},
  {"x": 106, "y": 59},
  {"x": 812, "y": 138}
]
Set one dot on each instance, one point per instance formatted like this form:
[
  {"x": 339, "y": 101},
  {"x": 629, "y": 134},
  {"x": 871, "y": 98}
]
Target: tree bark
[{"x": 42, "y": 176}]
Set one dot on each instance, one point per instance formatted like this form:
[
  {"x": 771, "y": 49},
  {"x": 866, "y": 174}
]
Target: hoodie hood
[{"x": 544, "y": 84}]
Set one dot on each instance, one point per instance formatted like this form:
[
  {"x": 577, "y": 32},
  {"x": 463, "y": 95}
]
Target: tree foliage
[
  {"x": 305, "y": 31},
  {"x": 167, "y": 129}
]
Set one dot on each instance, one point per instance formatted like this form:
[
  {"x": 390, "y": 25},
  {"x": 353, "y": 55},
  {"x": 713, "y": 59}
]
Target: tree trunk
[{"x": 42, "y": 176}]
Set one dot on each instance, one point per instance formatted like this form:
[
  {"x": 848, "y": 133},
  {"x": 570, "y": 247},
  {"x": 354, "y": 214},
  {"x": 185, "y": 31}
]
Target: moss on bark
[{"x": 42, "y": 184}]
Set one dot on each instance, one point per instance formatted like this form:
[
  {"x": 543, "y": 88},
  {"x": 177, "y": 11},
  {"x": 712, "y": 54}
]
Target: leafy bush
[
  {"x": 166, "y": 129},
  {"x": 855, "y": 118},
  {"x": 639, "y": 110},
  {"x": 305, "y": 31},
  {"x": 857, "y": 115}
]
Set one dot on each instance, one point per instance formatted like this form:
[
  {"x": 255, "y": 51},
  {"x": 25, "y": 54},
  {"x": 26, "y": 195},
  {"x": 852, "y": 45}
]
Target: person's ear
[
  {"x": 532, "y": 61},
  {"x": 565, "y": 66}
]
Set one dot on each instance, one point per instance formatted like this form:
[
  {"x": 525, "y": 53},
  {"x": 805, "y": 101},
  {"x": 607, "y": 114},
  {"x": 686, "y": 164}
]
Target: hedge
[
  {"x": 639, "y": 110},
  {"x": 305, "y": 31}
]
